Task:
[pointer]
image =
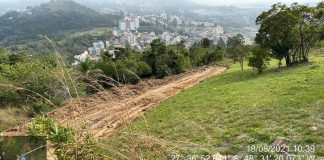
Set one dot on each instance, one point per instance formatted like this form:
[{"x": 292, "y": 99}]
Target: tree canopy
[{"x": 290, "y": 31}]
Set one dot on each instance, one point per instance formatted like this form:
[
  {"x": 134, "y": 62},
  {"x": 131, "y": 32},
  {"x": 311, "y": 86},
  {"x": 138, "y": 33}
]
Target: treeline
[
  {"x": 37, "y": 82},
  {"x": 159, "y": 60}
]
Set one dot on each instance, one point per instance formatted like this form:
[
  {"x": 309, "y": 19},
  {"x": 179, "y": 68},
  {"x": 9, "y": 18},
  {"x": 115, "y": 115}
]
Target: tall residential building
[
  {"x": 131, "y": 39},
  {"x": 130, "y": 22},
  {"x": 122, "y": 25}
]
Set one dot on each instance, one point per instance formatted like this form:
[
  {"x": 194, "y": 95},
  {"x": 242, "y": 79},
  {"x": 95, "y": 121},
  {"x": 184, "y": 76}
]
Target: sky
[
  {"x": 242, "y": 3},
  {"x": 251, "y": 2}
]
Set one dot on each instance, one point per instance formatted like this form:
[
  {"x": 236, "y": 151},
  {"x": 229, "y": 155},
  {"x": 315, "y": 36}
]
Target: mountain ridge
[{"x": 50, "y": 18}]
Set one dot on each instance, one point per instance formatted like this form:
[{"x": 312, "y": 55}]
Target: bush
[
  {"x": 33, "y": 82},
  {"x": 121, "y": 71},
  {"x": 144, "y": 70},
  {"x": 182, "y": 63},
  {"x": 162, "y": 71},
  {"x": 260, "y": 59},
  {"x": 68, "y": 144}
]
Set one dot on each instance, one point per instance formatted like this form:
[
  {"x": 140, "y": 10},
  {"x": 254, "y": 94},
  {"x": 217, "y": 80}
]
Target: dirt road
[
  {"x": 102, "y": 113},
  {"x": 105, "y": 112}
]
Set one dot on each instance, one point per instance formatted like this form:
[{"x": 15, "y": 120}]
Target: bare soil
[{"x": 104, "y": 112}]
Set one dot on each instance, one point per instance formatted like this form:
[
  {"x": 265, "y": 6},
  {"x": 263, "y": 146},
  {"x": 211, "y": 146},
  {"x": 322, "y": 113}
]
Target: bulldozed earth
[{"x": 102, "y": 113}]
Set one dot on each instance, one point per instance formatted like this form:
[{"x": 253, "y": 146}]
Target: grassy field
[
  {"x": 94, "y": 32},
  {"x": 227, "y": 113}
]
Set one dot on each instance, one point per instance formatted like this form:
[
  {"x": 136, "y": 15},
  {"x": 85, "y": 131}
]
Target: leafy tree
[
  {"x": 221, "y": 42},
  {"x": 150, "y": 56},
  {"x": 205, "y": 42},
  {"x": 290, "y": 32},
  {"x": 196, "y": 55},
  {"x": 236, "y": 49},
  {"x": 124, "y": 53},
  {"x": 260, "y": 58},
  {"x": 278, "y": 32},
  {"x": 307, "y": 26},
  {"x": 182, "y": 63},
  {"x": 319, "y": 15}
]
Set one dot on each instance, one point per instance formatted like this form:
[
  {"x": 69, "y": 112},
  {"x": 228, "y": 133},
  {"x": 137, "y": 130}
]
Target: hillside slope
[
  {"x": 50, "y": 18},
  {"x": 227, "y": 113}
]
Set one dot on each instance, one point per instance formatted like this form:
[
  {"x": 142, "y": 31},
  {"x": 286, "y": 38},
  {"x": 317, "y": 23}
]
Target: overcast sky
[
  {"x": 243, "y": 3},
  {"x": 251, "y": 2}
]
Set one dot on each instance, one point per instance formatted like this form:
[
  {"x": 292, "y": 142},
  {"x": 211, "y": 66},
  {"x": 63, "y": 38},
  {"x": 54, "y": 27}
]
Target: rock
[
  {"x": 217, "y": 156},
  {"x": 281, "y": 141},
  {"x": 312, "y": 129}
]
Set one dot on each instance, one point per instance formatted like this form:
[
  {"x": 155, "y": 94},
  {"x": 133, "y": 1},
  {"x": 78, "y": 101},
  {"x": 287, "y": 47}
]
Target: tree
[
  {"x": 236, "y": 49},
  {"x": 221, "y": 42},
  {"x": 319, "y": 15},
  {"x": 205, "y": 42},
  {"x": 308, "y": 26},
  {"x": 196, "y": 54},
  {"x": 150, "y": 56},
  {"x": 290, "y": 32},
  {"x": 277, "y": 32},
  {"x": 124, "y": 53},
  {"x": 260, "y": 58}
]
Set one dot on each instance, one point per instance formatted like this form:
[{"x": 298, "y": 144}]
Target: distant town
[{"x": 127, "y": 34}]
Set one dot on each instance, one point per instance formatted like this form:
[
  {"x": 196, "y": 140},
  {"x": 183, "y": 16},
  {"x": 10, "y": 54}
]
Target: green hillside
[
  {"x": 227, "y": 113},
  {"x": 50, "y": 19}
]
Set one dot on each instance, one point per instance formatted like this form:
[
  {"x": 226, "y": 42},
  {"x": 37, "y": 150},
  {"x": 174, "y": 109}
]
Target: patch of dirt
[{"x": 102, "y": 113}]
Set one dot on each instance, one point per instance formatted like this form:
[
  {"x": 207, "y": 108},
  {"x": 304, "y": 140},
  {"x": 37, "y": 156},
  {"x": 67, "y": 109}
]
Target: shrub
[
  {"x": 68, "y": 144},
  {"x": 144, "y": 70},
  {"x": 260, "y": 59},
  {"x": 182, "y": 63}
]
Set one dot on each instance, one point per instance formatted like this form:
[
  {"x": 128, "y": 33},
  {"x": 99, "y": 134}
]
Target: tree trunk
[
  {"x": 288, "y": 60},
  {"x": 303, "y": 49},
  {"x": 242, "y": 65}
]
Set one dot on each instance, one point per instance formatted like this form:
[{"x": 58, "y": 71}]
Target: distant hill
[
  {"x": 228, "y": 16},
  {"x": 50, "y": 18}
]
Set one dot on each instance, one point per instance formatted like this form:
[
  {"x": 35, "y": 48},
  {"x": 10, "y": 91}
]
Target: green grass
[
  {"x": 229, "y": 112},
  {"x": 10, "y": 117}
]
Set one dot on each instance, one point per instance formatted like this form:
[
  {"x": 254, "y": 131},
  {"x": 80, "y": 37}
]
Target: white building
[
  {"x": 122, "y": 25},
  {"x": 176, "y": 40},
  {"x": 166, "y": 37},
  {"x": 94, "y": 51},
  {"x": 81, "y": 58},
  {"x": 99, "y": 45},
  {"x": 130, "y": 22},
  {"x": 248, "y": 41},
  {"x": 219, "y": 30},
  {"x": 115, "y": 33},
  {"x": 131, "y": 38},
  {"x": 137, "y": 22}
]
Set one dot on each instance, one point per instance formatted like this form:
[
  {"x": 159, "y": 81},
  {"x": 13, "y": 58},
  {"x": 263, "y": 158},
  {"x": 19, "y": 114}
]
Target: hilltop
[{"x": 49, "y": 18}]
